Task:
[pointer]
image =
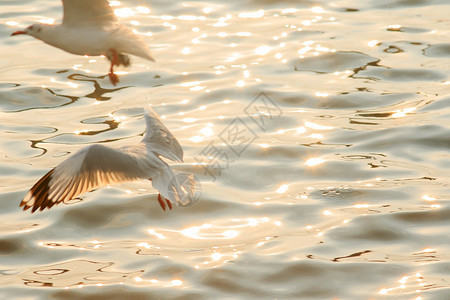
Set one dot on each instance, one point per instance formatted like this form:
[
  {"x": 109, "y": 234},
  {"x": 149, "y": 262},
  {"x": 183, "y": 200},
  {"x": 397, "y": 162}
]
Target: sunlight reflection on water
[{"x": 320, "y": 135}]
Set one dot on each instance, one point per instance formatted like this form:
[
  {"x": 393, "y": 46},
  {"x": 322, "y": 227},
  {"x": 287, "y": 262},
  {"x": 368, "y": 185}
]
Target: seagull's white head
[{"x": 36, "y": 30}]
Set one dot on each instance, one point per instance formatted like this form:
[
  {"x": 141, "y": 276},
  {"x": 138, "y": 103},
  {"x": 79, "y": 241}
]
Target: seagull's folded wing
[
  {"x": 159, "y": 139},
  {"x": 88, "y": 12},
  {"x": 89, "y": 168}
]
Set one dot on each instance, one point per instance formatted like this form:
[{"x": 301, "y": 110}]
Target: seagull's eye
[{"x": 34, "y": 27}]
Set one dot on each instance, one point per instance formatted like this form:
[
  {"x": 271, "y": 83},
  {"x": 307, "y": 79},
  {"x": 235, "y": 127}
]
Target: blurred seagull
[
  {"x": 96, "y": 165},
  {"x": 89, "y": 27}
]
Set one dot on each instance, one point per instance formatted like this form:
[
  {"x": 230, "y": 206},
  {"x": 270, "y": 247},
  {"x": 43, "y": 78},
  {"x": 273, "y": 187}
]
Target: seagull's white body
[
  {"x": 83, "y": 41},
  {"x": 96, "y": 165},
  {"x": 89, "y": 27}
]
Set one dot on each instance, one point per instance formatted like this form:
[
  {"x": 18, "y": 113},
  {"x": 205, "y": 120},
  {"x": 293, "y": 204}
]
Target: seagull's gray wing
[
  {"x": 88, "y": 12},
  {"x": 159, "y": 139},
  {"x": 89, "y": 168}
]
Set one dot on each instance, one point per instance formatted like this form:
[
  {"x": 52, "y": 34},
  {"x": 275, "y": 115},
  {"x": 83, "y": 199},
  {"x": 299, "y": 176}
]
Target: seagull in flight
[
  {"x": 97, "y": 165},
  {"x": 90, "y": 27}
]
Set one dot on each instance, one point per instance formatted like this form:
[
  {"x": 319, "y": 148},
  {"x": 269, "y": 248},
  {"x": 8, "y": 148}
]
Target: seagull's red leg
[
  {"x": 114, "y": 60},
  {"x": 162, "y": 203},
  {"x": 169, "y": 204}
]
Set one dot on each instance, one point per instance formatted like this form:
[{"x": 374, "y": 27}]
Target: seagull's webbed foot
[
  {"x": 169, "y": 204},
  {"x": 113, "y": 78},
  {"x": 163, "y": 204},
  {"x": 114, "y": 61}
]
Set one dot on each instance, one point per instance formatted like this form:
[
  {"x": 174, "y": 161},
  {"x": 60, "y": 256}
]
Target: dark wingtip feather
[{"x": 39, "y": 193}]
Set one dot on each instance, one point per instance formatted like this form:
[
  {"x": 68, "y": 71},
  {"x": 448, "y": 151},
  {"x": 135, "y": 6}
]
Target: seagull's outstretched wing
[
  {"x": 159, "y": 139},
  {"x": 88, "y": 12},
  {"x": 89, "y": 168}
]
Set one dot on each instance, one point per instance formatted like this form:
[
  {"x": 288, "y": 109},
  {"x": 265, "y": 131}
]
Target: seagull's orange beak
[{"x": 18, "y": 32}]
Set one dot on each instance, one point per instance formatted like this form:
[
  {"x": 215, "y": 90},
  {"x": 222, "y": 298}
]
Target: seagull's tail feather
[
  {"x": 179, "y": 188},
  {"x": 136, "y": 46}
]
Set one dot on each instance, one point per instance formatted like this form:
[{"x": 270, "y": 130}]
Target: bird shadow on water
[
  {"x": 99, "y": 91},
  {"x": 19, "y": 98},
  {"x": 27, "y": 92}
]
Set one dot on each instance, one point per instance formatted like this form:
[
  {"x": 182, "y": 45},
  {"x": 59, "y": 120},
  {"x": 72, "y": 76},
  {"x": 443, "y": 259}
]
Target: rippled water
[{"x": 337, "y": 189}]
